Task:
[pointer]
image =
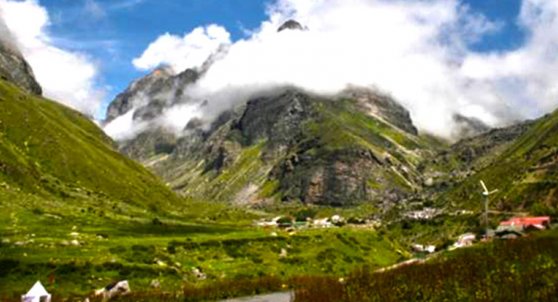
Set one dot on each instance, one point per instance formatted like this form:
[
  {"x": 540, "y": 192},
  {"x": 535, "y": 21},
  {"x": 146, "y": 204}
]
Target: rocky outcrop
[
  {"x": 151, "y": 94},
  {"x": 277, "y": 119},
  {"x": 15, "y": 69},
  {"x": 149, "y": 97}
]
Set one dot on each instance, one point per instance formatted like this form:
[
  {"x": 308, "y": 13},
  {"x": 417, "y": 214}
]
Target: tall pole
[
  {"x": 486, "y": 194},
  {"x": 486, "y": 216}
]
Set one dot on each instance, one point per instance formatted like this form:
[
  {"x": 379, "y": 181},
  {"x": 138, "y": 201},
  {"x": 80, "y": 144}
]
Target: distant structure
[
  {"x": 486, "y": 194},
  {"x": 37, "y": 293},
  {"x": 521, "y": 224}
]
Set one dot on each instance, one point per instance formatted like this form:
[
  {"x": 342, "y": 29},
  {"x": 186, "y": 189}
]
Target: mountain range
[{"x": 287, "y": 145}]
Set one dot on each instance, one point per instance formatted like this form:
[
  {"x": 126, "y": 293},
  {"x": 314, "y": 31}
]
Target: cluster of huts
[{"x": 507, "y": 229}]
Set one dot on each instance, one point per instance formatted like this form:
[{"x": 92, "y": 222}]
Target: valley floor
[{"x": 75, "y": 252}]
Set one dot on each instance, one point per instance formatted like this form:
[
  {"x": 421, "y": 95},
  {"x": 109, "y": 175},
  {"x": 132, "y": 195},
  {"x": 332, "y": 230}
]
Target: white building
[{"x": 37, "y": 293}]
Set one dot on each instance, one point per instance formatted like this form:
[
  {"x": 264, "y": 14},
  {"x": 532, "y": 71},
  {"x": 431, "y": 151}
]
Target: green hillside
[
  {"x": 525, "y": 173},
  {"x": 49, "y": 150},
  {"x": 507, "y": 270}
]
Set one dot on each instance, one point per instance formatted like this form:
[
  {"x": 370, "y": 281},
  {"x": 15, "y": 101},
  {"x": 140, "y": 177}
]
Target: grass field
[{"x": 75, "y": 253}]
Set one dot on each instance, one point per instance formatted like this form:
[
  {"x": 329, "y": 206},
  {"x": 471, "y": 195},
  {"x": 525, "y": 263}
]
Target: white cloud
[
  {"x": 174, "y": 119},
  {"x": 409, "y": 49},
  {"x": 417, "y": 51},
  {"x": 528, "y": 76},
  {"x": 124, "y": 127},
  {"x": 67, "y": 77},
  {"x": 191, "y": 50}
]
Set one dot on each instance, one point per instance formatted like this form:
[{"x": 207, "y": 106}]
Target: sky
[{"x": 489, "y": 59}]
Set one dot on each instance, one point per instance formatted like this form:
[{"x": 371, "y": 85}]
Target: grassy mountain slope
[
  {"x": 50, "y": 150},
  {"x": 525, "y": 173}
]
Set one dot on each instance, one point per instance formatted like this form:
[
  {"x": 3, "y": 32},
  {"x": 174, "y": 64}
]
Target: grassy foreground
[
  {"x": 74, "y": 254},
  {"x": 517, "y": 270}
]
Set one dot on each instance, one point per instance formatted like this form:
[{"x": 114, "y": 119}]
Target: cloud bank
[
  {"x": 65, "y": 76},
  {"x": 419, "y": 52},
  {"x": 183, "y": 52}
]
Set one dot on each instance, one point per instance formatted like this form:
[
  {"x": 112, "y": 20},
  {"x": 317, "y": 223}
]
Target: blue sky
[
  {"x": 113, "y": 32},
  {"x": 122, "y": 29},
  {"x": 511, "y": 36}
]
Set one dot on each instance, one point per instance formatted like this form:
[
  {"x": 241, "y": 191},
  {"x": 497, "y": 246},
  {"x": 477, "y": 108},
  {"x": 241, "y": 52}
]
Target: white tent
[{"x": 37, "y": 293}]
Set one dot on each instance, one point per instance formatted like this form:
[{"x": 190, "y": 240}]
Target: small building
[
  {"x": 521, "y": 224},
  {"x": 464, "y": 240},
  {"x": 37, "y": 293}
]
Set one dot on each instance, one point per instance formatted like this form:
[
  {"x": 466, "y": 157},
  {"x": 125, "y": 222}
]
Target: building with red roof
[{"x": 525, "y": 223}]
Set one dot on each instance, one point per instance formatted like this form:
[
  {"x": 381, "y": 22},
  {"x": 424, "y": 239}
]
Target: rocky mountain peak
[
  {"x": 151, "y": 94},
  {"x": 290, "y": 25}
]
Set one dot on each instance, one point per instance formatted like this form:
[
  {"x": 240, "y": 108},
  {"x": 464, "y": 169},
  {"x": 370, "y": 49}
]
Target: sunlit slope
[{"x": 49, "y": 150}]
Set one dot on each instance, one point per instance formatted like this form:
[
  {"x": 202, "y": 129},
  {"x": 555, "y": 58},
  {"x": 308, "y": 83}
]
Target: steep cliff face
[
  {"x": 290, "y": 145},
  {"x": 147, "y": 98},
  {"x": 15, "y": 69}
]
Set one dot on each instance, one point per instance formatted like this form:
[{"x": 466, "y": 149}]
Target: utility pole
[{"x": 486, "y": 194}]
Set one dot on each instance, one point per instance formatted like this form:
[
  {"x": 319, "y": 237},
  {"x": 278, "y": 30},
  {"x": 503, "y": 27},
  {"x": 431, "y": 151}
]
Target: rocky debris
[
  {"x": 283, "y": 253},
  {"x": 14, "y": 68},
  {"x": 290, "y": 25}
]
